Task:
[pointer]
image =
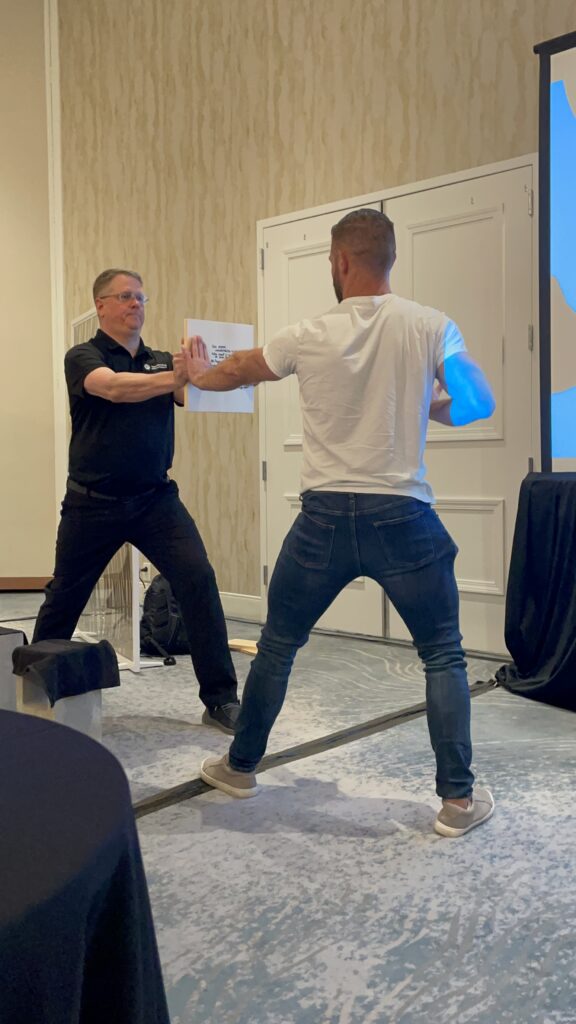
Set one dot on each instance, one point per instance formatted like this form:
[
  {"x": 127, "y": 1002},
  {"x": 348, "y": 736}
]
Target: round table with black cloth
[
  {"x": 77, "y": 942},
  {"x": 540, "y": 628}
]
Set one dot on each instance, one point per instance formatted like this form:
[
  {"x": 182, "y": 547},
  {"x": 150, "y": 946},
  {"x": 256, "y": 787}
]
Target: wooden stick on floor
[
  {"x": 244, "y": 646},
  {"x": 187, "y": 790}
]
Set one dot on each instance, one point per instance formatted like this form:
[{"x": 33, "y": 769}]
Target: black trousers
[{"x": 92, "y": 530}]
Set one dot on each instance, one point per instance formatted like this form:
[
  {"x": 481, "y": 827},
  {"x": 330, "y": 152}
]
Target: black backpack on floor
[{"x": 161, "y": 628}]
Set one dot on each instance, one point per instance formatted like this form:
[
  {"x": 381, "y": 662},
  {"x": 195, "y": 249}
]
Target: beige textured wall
[
  {"x": 186, "y": 121},
  {"x": 27, "y": 505}
]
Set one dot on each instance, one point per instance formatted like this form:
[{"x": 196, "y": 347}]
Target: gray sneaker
[
  {"x": 217, "y": 772},
  {"x": 454, "y": 821}
]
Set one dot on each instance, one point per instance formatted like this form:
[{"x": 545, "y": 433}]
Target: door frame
[{"x": 382, "y": 195}]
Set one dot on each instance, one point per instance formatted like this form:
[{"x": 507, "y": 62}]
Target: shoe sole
[
  {"x": 454, "y": 833},
  {"x": 224, "y": 787},
  {"x": 208, "y": 720}
]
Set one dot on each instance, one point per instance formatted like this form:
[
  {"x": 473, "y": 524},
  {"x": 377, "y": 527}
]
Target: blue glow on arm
[{"x": 471, "y": 394}]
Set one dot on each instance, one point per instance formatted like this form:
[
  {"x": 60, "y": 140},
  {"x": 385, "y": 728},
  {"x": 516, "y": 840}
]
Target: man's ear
[{"x": 343, "y": 262}]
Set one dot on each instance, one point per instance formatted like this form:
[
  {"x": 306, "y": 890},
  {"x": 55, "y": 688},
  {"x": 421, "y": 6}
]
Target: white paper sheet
[{"x": 221, "y": 340}]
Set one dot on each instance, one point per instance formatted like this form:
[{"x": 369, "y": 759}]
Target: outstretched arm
[
  {"x": 471, "y": 396},
  {"x": 132, "y": 387},
  {"x": 245, "y": 367}
]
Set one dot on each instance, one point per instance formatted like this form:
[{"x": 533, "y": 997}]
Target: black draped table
[
  {"x": 540, "y": 627},
  {"x": 77, "y": 942}
]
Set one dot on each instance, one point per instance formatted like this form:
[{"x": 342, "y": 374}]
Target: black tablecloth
[
  {"x": 66, "y": 668},
  {"x": 540, "y": 627},
  {"x": 77, "y": 942}
]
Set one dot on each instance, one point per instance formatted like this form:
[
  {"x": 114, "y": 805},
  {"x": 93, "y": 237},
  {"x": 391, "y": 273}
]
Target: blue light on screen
[{"x": 562, "y": 255}]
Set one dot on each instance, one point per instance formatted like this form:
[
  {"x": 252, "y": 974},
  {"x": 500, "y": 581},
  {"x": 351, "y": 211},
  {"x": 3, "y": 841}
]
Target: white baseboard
[{"x": 242, "y": 606}]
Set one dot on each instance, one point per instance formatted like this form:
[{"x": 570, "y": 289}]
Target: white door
[
  {"x": 297, "y": 284},
  {"x": 467, "y": 249}
]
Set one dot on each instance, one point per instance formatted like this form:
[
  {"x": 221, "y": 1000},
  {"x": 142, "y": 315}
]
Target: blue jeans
[{"x": 400, "y": 543}]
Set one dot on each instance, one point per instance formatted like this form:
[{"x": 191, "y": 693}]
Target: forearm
[
  {"x": 470, "y": 394},
  {"x": 455, "y": 412},
  {"x": 231, "y": 373},
  {"x": 138, "y": 387},
  {"x": 242, "y": 368}
]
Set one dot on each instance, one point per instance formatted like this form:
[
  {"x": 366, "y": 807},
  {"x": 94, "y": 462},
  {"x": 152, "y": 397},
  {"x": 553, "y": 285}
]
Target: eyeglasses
[{"x": 125, "y": 297}]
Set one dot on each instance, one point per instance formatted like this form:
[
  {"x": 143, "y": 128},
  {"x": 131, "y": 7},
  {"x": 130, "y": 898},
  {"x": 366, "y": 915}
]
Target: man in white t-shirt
[{"x": 370, "y": 372}]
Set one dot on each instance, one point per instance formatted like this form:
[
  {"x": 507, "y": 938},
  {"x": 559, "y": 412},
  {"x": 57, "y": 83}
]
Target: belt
[{"x": 80, "y": 489}]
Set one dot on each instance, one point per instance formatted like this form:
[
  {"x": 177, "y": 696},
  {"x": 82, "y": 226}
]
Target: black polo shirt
[{"x": 118, "y": 448}]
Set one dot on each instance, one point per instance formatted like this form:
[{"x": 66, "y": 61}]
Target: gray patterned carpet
[{"x": 329, "y": 899}]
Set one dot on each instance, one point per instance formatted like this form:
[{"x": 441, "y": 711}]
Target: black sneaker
[{"x": 224, "y": 717}]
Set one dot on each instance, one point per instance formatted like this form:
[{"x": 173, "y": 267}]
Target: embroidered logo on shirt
[{"x": 157, "y": 366}]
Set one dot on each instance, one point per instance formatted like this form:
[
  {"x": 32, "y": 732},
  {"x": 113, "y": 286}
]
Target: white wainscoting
[
  {"x": 477, "y": 526},
  {"x": 242, "y": 606}
]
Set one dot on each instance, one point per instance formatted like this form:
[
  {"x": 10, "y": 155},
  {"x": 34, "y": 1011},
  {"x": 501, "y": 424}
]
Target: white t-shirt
[{"x": 366, "y": 371}]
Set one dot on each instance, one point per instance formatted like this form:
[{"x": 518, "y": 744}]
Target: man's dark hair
[
  {"x": 104, "y": 279},
  {"x": 368, "y": 235}
]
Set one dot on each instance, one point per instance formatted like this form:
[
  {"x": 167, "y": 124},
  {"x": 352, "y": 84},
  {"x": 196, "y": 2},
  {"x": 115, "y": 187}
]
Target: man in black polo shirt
[{"x": 122, "y": 396}]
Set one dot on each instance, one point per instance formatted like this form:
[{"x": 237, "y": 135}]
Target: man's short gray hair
[
  {"x": 103, "y": 280},
  {"x": 368, "y": 235}
]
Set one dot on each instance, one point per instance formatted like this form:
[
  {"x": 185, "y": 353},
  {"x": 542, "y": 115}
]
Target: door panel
[{"x": 467, "y": 249}]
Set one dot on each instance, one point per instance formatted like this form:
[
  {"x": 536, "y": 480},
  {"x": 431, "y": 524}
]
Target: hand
[
  {"x": 180, "y": 369},
  {"x": 196, "y": 356},
  {"x": 438, "y": 392},
  {"x": 440, "y": 405}
]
